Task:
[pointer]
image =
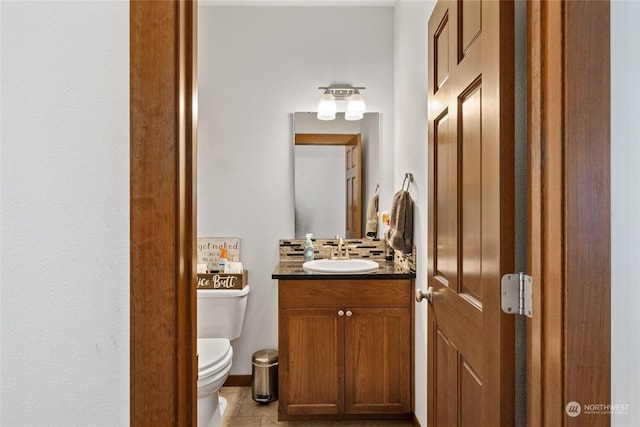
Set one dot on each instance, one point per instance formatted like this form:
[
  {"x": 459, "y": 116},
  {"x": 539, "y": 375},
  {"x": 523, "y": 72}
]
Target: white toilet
[{"x": 220, "y": 320}]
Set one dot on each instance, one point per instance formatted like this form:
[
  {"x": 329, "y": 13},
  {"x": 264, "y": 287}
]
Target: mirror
[{"x": 331, "y": 173}]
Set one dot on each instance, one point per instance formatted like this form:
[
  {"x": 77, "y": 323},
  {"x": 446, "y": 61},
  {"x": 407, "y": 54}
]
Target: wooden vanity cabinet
[{"x": 345, "y": 349}]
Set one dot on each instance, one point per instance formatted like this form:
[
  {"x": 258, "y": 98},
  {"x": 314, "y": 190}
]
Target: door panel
[
  {"x": 443, "y": 409},
  {"x": 470, "y": 23},
  {"x": 470, "y": 389},
  {"x": 470, "y": 341},
  {"x": 470, "y": 150},
  {"x": 446, "y": 203},
  {"x": 441, "y": 51},
  {"x": 353, "y": 179}
]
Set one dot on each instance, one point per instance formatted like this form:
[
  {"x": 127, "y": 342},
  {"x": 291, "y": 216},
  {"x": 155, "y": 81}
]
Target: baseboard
[
  {"x": 414, "y": 421},
  {"x": 238, "y": 381}
]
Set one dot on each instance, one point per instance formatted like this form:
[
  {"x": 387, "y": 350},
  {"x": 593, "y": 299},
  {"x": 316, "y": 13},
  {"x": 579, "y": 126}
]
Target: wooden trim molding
[
  {"x": 162, "y": 224},
  {"x": 239, "y": 381},
  {"x": 569, "y": 229},
  {"x": 326, "y": 139}
]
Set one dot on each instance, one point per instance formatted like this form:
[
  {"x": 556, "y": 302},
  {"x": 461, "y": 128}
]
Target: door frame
[
  {"x": 162, "y": 319},
  {"x": 163, "y": 122},
  {"x": 569, "y": 225}
]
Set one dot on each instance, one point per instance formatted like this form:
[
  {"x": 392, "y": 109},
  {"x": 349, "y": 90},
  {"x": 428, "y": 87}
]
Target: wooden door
[
  {"x": 471, "y": 235},
  {"x": 311, "y": 343},
  {"x": 378, "y": 371},
  {"x": 353, "y": 180}
]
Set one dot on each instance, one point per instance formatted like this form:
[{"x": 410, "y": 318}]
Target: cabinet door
[
  {"x": 378, "y": 360},
  {"x": 311, "y": 367}
]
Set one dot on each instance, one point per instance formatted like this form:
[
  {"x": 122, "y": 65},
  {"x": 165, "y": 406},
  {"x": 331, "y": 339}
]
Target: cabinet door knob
[
  {"x": 349, "y": 313},
  {"x": 340, "y": 313}
]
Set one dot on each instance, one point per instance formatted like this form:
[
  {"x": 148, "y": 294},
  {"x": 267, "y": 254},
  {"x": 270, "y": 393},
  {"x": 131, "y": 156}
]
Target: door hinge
[{"x": 516, "y": 294}]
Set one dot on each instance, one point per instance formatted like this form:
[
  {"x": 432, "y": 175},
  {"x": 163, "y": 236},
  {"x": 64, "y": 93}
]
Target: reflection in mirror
[
  {"x": 333, "y": 158},
  {"x": 328, "y": 201}
]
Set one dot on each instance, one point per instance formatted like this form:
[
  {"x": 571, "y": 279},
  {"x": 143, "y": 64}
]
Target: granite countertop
[{"x": 387, "y": 270}]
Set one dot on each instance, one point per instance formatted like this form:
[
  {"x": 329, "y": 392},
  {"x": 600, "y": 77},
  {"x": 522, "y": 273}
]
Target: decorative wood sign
[
  {"x": 209, "y": 249},
  {"x": 222, "y": 281}
]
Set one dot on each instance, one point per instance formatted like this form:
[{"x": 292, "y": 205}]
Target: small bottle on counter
[
  {"x": 308, "y": 248},
  {"x": 222, "y": 260}
]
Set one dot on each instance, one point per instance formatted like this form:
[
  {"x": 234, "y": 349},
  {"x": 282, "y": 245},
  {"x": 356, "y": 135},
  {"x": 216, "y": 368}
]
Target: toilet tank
[{"x": 221, "y": 312}]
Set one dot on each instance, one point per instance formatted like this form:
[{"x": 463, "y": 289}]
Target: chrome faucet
[{"x": 343, "y": 249}]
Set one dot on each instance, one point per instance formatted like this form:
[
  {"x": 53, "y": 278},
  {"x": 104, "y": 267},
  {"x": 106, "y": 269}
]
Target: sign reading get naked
[{"x": 209, "y": 249}]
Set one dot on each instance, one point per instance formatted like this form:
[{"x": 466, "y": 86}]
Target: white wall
[
  {"x": 257, "y": 65},
  {"x": 625, "y": 205},
  {"x": 410, "y": 155},
  {"x": 65, "y": 214}
]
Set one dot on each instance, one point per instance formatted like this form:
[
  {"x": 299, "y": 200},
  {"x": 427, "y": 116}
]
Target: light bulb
[
  {"x": 327, "y": 106},
  {"x": 355, "y": 107}
]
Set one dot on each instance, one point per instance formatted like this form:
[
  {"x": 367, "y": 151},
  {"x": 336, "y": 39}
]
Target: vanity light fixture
[{"x": 355, "y": 103}]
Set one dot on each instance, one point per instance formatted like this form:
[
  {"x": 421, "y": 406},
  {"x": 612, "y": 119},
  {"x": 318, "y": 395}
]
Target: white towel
[
  {"x": 372, "y": 218},
  {"x": 401, "y": 230},
  {"x": 233, "y": 267}
]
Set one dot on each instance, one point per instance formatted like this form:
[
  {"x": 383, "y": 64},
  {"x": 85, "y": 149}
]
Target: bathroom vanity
[{"x": 345, "y": 343}]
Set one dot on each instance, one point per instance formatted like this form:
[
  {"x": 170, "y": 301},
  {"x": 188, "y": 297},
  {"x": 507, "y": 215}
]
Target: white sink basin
[{"x": 341, "y": 266}]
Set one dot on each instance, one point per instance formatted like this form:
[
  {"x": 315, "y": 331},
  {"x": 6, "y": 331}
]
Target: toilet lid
[{"x": 214, "y": 354}]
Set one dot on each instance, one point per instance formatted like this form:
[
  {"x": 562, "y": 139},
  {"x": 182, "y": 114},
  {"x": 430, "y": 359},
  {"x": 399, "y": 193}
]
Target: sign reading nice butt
[
  {"x": 209, "y": 249},
  {"x": 222, "y": 281}
]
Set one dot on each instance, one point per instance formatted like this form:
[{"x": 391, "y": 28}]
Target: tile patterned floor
[{"x": 242, "y": 411}]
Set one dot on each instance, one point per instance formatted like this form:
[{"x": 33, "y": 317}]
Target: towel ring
[{"x": 408, "y": 176}]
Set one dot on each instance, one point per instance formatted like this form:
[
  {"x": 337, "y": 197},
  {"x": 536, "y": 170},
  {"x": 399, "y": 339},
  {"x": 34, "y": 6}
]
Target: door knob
[
  {"x": 428, "y": 294},
  {"x": 340, "y": 313},
  {"x": 349, "y": 313}
]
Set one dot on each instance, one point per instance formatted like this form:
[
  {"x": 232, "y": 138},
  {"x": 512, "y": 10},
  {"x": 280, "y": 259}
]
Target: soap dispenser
[{"x": 308, "y": 248}]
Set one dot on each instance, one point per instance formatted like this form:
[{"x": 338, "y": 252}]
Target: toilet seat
[{"x": 214, "y": 355}]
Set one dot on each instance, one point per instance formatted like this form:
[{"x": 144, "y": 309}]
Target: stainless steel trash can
[{"x": 265, "y": 376}]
